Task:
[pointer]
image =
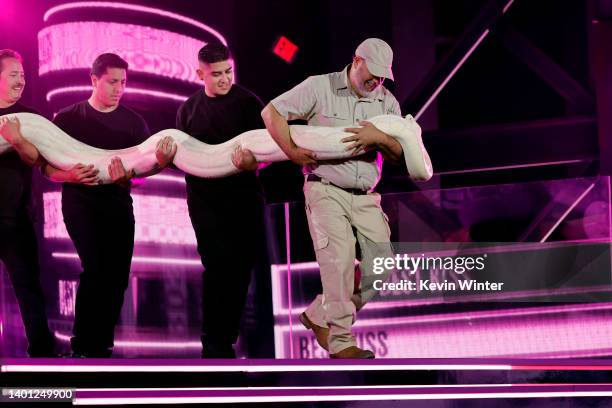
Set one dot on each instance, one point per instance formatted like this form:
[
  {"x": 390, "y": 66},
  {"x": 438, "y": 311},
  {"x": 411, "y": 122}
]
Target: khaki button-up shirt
[{"x": 328, "y": 100}]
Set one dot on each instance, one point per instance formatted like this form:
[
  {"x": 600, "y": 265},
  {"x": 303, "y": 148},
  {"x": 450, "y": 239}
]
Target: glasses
[{"x": 377, "y": 80}]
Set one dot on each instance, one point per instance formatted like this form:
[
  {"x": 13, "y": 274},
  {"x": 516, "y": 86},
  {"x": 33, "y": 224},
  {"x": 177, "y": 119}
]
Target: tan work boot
[
  {"x": 353, "y": 352},
  {"x": 321, "y": 333}
]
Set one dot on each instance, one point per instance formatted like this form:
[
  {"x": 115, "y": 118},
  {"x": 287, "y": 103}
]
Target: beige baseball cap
[{"x": 378, "y": 56}]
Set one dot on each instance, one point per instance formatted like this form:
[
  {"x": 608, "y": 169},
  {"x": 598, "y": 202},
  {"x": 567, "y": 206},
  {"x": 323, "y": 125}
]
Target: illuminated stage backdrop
[
  {"x": 162, "y": 305},
  {"x": 161, "y": 61},
  {"x": 557, "y": 251},
  {"x": 150, "y": 50}
]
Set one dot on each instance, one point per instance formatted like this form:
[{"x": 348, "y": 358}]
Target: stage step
[{"x": 182, "y": 381}]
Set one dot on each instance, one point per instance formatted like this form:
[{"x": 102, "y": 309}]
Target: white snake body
[{"x": 212, "y": 161}]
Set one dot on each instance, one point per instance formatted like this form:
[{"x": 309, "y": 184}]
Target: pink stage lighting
[
  {"x": 167, "y": 178},
  {"x": 133, "y": 7},
  {"x": 546, "y": 333},
  {"x": 159, "y": 219},
  {"x": 150, "y": 50},
  {"x": 129, "y": 91},
  {"x": 148, "y": 260},
  {"x": 145, "y": 344}
]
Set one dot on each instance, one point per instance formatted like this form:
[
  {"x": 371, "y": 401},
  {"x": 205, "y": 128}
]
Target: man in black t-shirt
[
  {"x": 226, "y": 213},
  {"x": 18, "y": 245},
  {"x": 100, "y": 218}
]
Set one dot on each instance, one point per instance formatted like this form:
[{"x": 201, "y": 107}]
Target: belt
[{"x": 355, "y": 191}]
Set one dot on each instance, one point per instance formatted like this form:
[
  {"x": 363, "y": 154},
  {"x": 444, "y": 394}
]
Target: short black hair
[
  {"x": 107, "y": 60},
  {"x": 7, "y": 53},
  {"x": 214, "y": 52}
]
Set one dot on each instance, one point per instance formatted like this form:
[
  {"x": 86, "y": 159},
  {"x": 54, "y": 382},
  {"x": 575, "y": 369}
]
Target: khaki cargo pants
[{"x": 332, "y": 215}]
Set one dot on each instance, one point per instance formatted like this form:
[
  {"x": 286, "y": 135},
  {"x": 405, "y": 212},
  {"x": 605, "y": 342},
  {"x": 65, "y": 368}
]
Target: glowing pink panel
[
  {"x": 157, "y": 52},
  {"x": 544, "y": 331},
  {"x": 67, "y": 297},
  {"x": 558, "y": 335},
  {"x": 133, "y": 7},
  {"x": 158, "y": 219}
]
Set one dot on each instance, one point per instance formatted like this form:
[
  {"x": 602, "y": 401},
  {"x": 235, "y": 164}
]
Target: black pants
[
  {"x": 102, "y": 230},
  {"x": 19, "y": 253},
  {"x": 228, "y": 224}
]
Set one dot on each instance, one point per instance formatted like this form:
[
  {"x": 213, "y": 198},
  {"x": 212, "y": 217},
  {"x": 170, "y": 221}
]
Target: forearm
[
  {"x": 55, "y": 174},
  {"x": 390, "y": 148},
  {"x": 27, "y": 152},
  {"x": 278, "y": 128}
]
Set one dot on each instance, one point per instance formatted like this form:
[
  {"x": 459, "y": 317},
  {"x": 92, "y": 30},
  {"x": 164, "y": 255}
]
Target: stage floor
[{"x": 446, "y": 382}]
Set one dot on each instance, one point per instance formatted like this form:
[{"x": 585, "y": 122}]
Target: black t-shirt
[
  {"x": 119, "y": 129},
  {"x": 15, "y": 176},
  {"x": 217, "y": 120}
]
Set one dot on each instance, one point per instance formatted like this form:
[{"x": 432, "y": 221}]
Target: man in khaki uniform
[{"x": 338, "y": 193}]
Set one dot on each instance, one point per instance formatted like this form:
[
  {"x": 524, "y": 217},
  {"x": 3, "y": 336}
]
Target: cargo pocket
[
  {"x": 313, "y": 193},
  {"x": 321, "y": 243}
]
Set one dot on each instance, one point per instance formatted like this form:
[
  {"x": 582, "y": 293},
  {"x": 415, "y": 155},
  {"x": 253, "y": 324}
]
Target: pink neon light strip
[
  {"x": 165, "y": 344},
  {"x": 117, "y": 366},
  {"x": 322, "y": 387},
  {"x": 139, "y": 259},
  {"x": 347, "y": 397},
  {"x": 129, "y": 91},
  {"x": 567, "y": 212},
  {"x": 509, "y": 167},
  {"x": 196, "y": 365},
  {"x": 252, "y": 368},
  {"x": 458, "y": 66},
  {"x": 289, "y": 300},
  {"x": 165, "y": 177},
  {"x": 342, "y": 393},
  {"x": 328, "y": 387},
  {"x": 134, "y": 7},
  {"x": 451, "y": 74}
]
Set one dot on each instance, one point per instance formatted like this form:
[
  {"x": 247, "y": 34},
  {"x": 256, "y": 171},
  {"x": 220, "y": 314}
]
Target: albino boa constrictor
[{"x": 211, "y": 161}]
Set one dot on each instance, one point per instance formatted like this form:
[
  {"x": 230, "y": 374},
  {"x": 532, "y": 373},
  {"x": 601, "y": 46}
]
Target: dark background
[
  {"x": 531, "y": 103},
  {"x": 499, "y": 119}
]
